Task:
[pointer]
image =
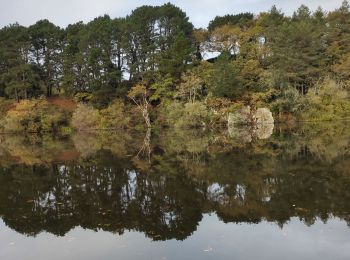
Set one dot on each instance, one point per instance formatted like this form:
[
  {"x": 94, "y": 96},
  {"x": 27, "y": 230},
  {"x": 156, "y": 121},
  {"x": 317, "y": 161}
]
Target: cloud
[{"x": 64, "y": 12}]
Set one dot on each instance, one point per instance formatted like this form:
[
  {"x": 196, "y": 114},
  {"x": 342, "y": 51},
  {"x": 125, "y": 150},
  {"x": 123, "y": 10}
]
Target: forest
[{"x": 153, "y": 68}]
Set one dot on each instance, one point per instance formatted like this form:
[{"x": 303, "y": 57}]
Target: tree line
[
  {"x": 97, "y": 57},
  {"x": 159, "y": 47}
]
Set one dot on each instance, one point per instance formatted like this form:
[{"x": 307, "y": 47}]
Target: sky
[{"x": 200, "y": 12}]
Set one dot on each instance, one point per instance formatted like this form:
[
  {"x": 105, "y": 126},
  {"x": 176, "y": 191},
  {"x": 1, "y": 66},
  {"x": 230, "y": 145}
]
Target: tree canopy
[{"x": 158, "y": 47}]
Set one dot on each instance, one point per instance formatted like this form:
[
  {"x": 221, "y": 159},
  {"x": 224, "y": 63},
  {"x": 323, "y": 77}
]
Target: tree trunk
[
  {"x": 145, "y": 115},
  {"x": 16, "y": 95}
]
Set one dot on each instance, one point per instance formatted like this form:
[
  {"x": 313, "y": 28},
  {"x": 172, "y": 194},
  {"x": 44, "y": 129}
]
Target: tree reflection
[{"x": 54, "y": 185}]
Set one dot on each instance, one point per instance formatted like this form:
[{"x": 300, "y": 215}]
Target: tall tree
[
  {"x": 74, "y": 73},
  {"x": 159, "y": 39},
  {"x": 339, "y": 41},
  {"x": 46, "y": 46},
  {"x": 224, "y": 79},
  {"x": 298, "y": 52},
  {"x": 18, "y": 78}
]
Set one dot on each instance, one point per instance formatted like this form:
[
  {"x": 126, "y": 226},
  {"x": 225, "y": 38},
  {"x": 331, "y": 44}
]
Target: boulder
[
  {"x": 246, "y": 125},
  {"x": 264, "y": 131},
  {"x": 241, "y": 117},
  {"x": 263, "y": 116},
  {"x": 243, "y": 134}
]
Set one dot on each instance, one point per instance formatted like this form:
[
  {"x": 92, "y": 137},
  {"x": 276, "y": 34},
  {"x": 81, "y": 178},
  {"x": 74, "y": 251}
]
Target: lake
[{"x": 276, "y": 193}]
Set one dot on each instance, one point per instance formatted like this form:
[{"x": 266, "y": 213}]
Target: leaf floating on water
[
  {"x": 301, "y": 209},
  {"x": 30, "y": 201},
  {"x": 208, "y": 249}
]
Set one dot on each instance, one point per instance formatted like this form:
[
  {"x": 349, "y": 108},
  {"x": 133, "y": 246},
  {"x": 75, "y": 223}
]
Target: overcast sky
[{"x": 64, "y": 12}]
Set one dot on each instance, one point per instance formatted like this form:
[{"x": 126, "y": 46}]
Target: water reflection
[{"x": 97, "y": 182}]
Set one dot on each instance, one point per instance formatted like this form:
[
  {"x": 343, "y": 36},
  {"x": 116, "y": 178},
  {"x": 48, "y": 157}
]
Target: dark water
[{"x": 177, "y": 195}]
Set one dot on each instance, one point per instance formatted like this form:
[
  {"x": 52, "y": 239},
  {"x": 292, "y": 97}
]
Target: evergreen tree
[
  {"x": 46, "y": 46},
  {"x": 298, "y": 52}
]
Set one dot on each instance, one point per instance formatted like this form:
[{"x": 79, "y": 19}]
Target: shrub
[
  {"x": 329, "y": 101},
  {"x": 33, "y": 116},
  {"x": 290, "y": 101},
  {"x": 85, "y": 117},
  {"x": 190, "y": 115},
  {"x": 4, "y": 106},
  {"x": 114, "y": 116}
]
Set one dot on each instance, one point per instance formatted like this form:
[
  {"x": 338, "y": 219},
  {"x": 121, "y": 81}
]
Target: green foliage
[
  {"x": 46, "y": 43},
  {"x": 224, "y": 79},
  {"x": 5, "y": 104},
  {"x": 338, "y": 35},
  {"x": 298, "y": 53},
  {"x": 18, "y": 77},
  {"x": 342, "y": 70},
  {"x": 154, "y": 56},
  {"x": 188, "y": 115},
  {"x": 194, "y": 83},
  {"x": 290, "y": 101},
  {"x": 242, "y": 20},
  {"x": 327, "y": 102},
  {"x": 114, "y": 116},
  {"x": 91, "y": 58},
  {"x": 83, "y": 97},
  {"x": 163, "y": 89},
  {"x": 157, "y": 37}
]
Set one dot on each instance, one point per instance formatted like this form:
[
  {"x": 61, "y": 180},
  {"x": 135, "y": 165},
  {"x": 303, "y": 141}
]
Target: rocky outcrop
[
  {"x": 247, "y": 125},
  {"x": 240, "y": 117},
  {"x": 263, "y": 116}
]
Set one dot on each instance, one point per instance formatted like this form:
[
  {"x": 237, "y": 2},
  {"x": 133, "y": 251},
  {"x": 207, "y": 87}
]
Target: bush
[
  {"x": 85, "y": 117},
  {"x": 4, "y": 106},
  {"x": 34, "y": 116},
  {"x": 190, "y": 115},
  {"x": 114, "y": 116},
  {"x": 326, "y": 102},
  {"x": 290, "y": 101}
]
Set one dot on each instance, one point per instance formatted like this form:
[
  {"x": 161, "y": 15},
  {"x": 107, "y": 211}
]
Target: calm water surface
[{"x": 281, "y": 193}]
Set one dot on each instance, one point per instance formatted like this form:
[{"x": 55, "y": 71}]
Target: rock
[
  {"x": 240, "y": 117},
  {"x": 246, "y": 126},
  {"x": 243, "y": 134},
  {"x": 264, "y": 131},
  {"x": 263, "y": 116}
]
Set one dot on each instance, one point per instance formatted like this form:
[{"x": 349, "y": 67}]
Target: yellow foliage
[
  {"x": 85, "y": 117},
  {"x": 328, "y": 101},
  {"x": 114, "y": 116},
  {"x": 33, "y": 116}
]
